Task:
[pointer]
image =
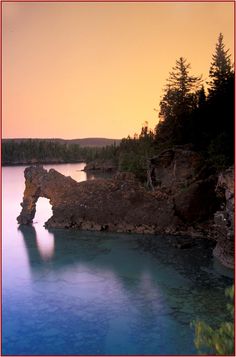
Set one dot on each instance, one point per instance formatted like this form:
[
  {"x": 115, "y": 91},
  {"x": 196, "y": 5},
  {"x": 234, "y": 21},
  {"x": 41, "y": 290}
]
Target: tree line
[{"x": 49, "y": 151}]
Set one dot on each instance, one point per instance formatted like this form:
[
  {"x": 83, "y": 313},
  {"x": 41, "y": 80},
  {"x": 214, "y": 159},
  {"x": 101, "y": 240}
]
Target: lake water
[{"x": 73, "y": 293}]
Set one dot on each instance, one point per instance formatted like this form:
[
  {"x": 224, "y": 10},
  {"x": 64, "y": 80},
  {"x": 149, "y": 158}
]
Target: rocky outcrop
[
  {"x": 182, "y": 201},
  {"x": 120, "y": 204},
  {"x": 224, "y": 219}
]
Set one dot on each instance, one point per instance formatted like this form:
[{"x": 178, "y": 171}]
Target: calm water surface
[{"x": 68, "y": 292}]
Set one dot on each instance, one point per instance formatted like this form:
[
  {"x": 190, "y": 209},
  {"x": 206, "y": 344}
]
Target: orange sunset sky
[{"x": 74, "y": 70}]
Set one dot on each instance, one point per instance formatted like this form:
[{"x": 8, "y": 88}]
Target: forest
[{"x": 192, "y": 113}]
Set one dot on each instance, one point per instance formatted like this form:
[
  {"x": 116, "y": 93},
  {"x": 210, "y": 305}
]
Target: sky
[{"x": 76, "y": 70}]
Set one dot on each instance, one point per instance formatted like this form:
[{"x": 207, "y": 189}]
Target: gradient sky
[{"x": 74, "y": 70}]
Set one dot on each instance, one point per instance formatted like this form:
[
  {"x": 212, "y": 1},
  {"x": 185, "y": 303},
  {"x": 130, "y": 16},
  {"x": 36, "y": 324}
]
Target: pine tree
[
  {"x": 219, "y": 114},
  {"x": 179, "y": 99},
  {"x": 180, "y": 79},
  {"x": 201, "y": 97},
  {"x": 221, "y": 67},
  {"x": 180, "y": 91}
]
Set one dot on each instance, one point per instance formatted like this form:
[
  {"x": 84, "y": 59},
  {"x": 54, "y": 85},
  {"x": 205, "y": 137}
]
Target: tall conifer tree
[
  {"x": 221, "y": 67},
  {"x": 179, "y": 100}
]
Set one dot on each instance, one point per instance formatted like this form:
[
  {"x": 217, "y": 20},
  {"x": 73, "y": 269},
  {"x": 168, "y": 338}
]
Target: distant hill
[{"x": 85, "y": 142}]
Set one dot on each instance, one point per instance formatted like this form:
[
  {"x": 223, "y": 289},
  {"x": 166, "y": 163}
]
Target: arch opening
[
  {"x": 44, "y": 239},
  {"x": 43, "y": 211}
]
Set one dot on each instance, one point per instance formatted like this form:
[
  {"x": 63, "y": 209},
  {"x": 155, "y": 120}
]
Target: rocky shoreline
[{"x": 182, "y": 199}]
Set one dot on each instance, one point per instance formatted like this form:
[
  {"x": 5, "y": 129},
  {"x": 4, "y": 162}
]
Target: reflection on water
[
  {"x": 76, "y": 171},
  {"x": 69, "y": 292},
  {"x": 45, "y": 244},
  {"x": 44, "y": 239}
]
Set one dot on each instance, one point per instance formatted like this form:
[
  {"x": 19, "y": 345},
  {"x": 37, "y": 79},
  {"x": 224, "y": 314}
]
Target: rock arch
[{"x": 42, "y": 183}]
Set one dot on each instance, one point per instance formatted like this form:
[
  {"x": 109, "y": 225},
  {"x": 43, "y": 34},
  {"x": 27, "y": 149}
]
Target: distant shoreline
[
  {"x": 56, "y": 151},
  {"x": 83, "y": 142},
  {"x": 42, "y": 163}
]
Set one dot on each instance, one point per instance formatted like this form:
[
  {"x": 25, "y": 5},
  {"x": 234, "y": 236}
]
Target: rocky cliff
[
  {"x": 224, "y": 219},
  {"x": 182, "y": 174}
]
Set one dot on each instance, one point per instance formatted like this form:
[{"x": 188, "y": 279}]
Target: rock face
[
  {"x": 224, "y": 219},
  {"x": 174, "y": 169},
  {"x": 197, "y": 202},
  {"x": 181, "y": 174}
]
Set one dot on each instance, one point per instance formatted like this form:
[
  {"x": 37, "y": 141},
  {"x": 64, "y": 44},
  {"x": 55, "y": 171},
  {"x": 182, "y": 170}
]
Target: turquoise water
[{"x": 68, "y": 292}]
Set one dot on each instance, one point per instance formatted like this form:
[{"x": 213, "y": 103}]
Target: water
[{"x": 68, "y": 292}]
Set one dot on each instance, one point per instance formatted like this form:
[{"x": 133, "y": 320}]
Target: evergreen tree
[
  {"x": 220, "y": 107},
  {"x": 221, "y": 67},
  {"x": 212, "y": 123},
  {"x": 178, "y": 102},
  {"x": 201, "y": 97},
  {"x": 180, "y": 91}
]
